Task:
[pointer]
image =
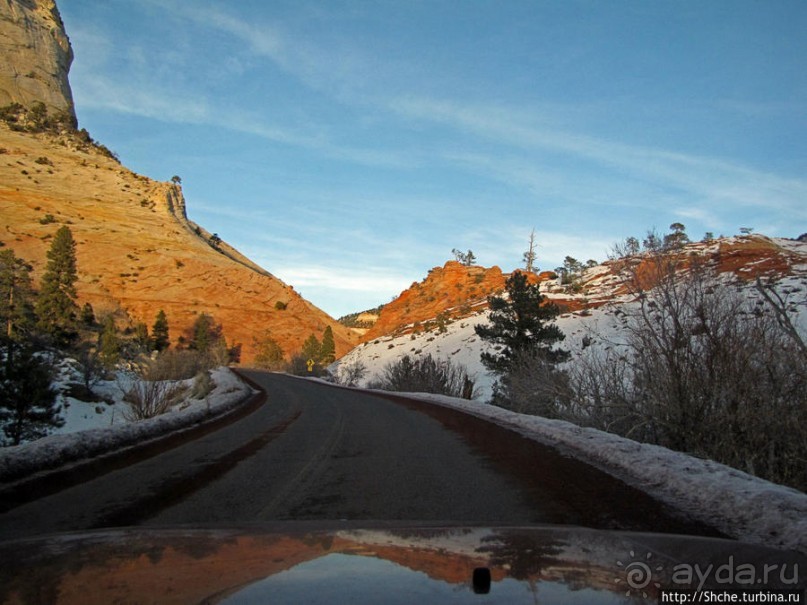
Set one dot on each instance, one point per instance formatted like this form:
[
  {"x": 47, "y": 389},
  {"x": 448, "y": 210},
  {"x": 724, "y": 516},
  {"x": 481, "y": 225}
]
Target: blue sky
[{"x": 349, "y": 146}]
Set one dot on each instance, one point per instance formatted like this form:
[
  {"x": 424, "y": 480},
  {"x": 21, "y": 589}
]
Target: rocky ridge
[
  {"x": 447, "y": 292},
  {"x": 36, "y": 56},
  {"x": 137, "y": 251},
  {"x": 591, "y": 304},
  {"x": 456, "y": 291}
]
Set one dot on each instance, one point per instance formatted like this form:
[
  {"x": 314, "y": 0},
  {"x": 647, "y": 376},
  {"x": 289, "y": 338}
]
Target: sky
[{"x": 349, "y": 146}]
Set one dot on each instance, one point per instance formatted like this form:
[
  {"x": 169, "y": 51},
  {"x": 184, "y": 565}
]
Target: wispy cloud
[
  {"x": 710, "y": 179},
  {"x": 336, "y": 69},
  {"x": 344, "y": 279},
  {"x": 101, "y": 92}
]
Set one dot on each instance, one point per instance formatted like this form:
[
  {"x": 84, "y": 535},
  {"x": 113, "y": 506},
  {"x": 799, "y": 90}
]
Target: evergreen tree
[
  {"x": 328, "y": 347},
  {"x": 677, "y": 239},
  {"x": 56, "y": 307},
  {"x": 520, "y": 323},
  {"x": 27, "y": 401},
  {"x": 466, "y": 258},
  {"x": 269, "y": 353},
  {"x": 312, "y": 349},
  {"x": 205, "y": 334},
  {"x": 109, "y": 345},
  {"x": 16, "y": 294},
  {"x": 159, "y": 332},
  {"x": 141, "y": 336},
  {"x": 88, "y": 315},
  {"x": 570, "y": 270}
]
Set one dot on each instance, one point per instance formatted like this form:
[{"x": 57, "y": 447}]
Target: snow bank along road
[{"x": 318, "y": 452}]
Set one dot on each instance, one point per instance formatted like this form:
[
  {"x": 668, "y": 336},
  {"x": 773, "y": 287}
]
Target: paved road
[{"x": 316, "y": 452}]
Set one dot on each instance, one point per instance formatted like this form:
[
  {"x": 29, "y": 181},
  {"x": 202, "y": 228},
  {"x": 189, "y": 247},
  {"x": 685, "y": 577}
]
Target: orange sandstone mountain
[
  {"x": 136, "y": 250},
  {"x": 448, "y": 292},
  {"x": 455, "y": 291},
  {"x": 36, "y": 56}
]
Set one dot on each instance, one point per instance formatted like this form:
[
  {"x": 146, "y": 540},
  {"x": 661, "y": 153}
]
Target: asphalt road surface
[{"x": 316, "y": 452}]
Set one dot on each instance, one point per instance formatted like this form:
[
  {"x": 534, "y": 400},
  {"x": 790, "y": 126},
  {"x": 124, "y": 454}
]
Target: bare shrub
[
  {"x": 350, "y": 375},
  {"x": 533, "y": 385},
  {"x": 149, "y": 398},
  {"x": 702, "y": 369},
  {"x": 92, "y": 370},
  {"x": 427, "y": 375},
  {"x": 177, "y": 364}
]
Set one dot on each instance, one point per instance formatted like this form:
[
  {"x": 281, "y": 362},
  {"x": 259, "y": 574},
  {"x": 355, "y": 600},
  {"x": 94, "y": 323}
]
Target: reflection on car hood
[{"x": 305, "y": 564}]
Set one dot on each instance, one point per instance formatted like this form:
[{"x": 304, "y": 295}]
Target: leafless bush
[
  {"x": 149, "y": 398},
  {"x": 427, "y": 375},
  {"x": 703, "y": 369},
  {"x": 350, "y": 375},
  {"x": 177, "y": 365},
  {"x": 534, "y": 386},
  {"x": 92, "y": 370}
]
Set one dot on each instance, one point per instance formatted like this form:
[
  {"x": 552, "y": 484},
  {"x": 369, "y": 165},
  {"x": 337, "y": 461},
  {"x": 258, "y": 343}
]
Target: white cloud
[
  {"x": 714, "y": 180},
  {"x": 101, "y": 92},
  {"x": 351, "y": 280},
  {"x": 342, "y": 291}
]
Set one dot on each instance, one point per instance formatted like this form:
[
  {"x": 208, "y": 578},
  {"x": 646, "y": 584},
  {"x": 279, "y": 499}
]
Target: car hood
[{"x": 294, "y": 563}]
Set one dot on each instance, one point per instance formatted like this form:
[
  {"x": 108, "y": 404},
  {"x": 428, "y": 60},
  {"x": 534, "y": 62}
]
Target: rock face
[
  {"x": 448, "y": 292},
  {"x": 137, "y": 252},
  {"x": 36, "y": 56}
]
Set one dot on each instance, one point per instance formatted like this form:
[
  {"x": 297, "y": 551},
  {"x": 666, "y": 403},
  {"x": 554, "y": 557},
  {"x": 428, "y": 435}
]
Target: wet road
[{"x": 316, "y": 452}]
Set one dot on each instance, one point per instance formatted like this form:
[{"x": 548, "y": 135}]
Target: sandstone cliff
[
  {"x": 451, "y": 291},
  {"x": 36, "y": 55},
  {"x": 455, "y": 291},
  {"x": 137, "y": 251}
]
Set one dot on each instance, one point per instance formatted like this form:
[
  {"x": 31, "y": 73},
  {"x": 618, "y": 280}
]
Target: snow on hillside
[
  {"x": 740, "y": 505},
  {"x": 88, "y": 433},
  {"x": 597, "y": 326},
  {"x": 460, "y": 344}
]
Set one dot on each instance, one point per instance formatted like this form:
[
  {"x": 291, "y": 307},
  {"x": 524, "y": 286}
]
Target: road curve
[{"x": 317, "y": 452}]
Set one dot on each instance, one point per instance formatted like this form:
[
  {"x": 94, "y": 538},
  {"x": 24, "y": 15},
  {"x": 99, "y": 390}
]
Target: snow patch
[
  {"x": 74, "y": 445},
  {"x": 740, "y": 505}
]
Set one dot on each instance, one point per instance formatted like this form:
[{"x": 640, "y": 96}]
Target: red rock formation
[{"x": 451, "y": 291}]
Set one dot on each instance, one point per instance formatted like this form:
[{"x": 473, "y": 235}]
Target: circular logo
[{"x": 638, "y": 574}]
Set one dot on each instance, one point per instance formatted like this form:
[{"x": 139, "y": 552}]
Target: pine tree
[
  {"x": 520, "y": 323},
  {"x": 677, "y": 239},
  {"x": 328, "y": 347},
  {"x": 88, "y": 315},
  {"x": 27, "y": 401},
  {"x": 56, "y": 307},
  {"x": 466, "y": 258},
  {"x": 109, "y": 344},
  {"x": 269, "y": 353},
  {"x": 159, "y": 332},
  {"x": 312, "y": 349},
  {"x": 141, "y": 336},
  {"x": 16, "y": 294},
  {"x": 205, "y": 334}
]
